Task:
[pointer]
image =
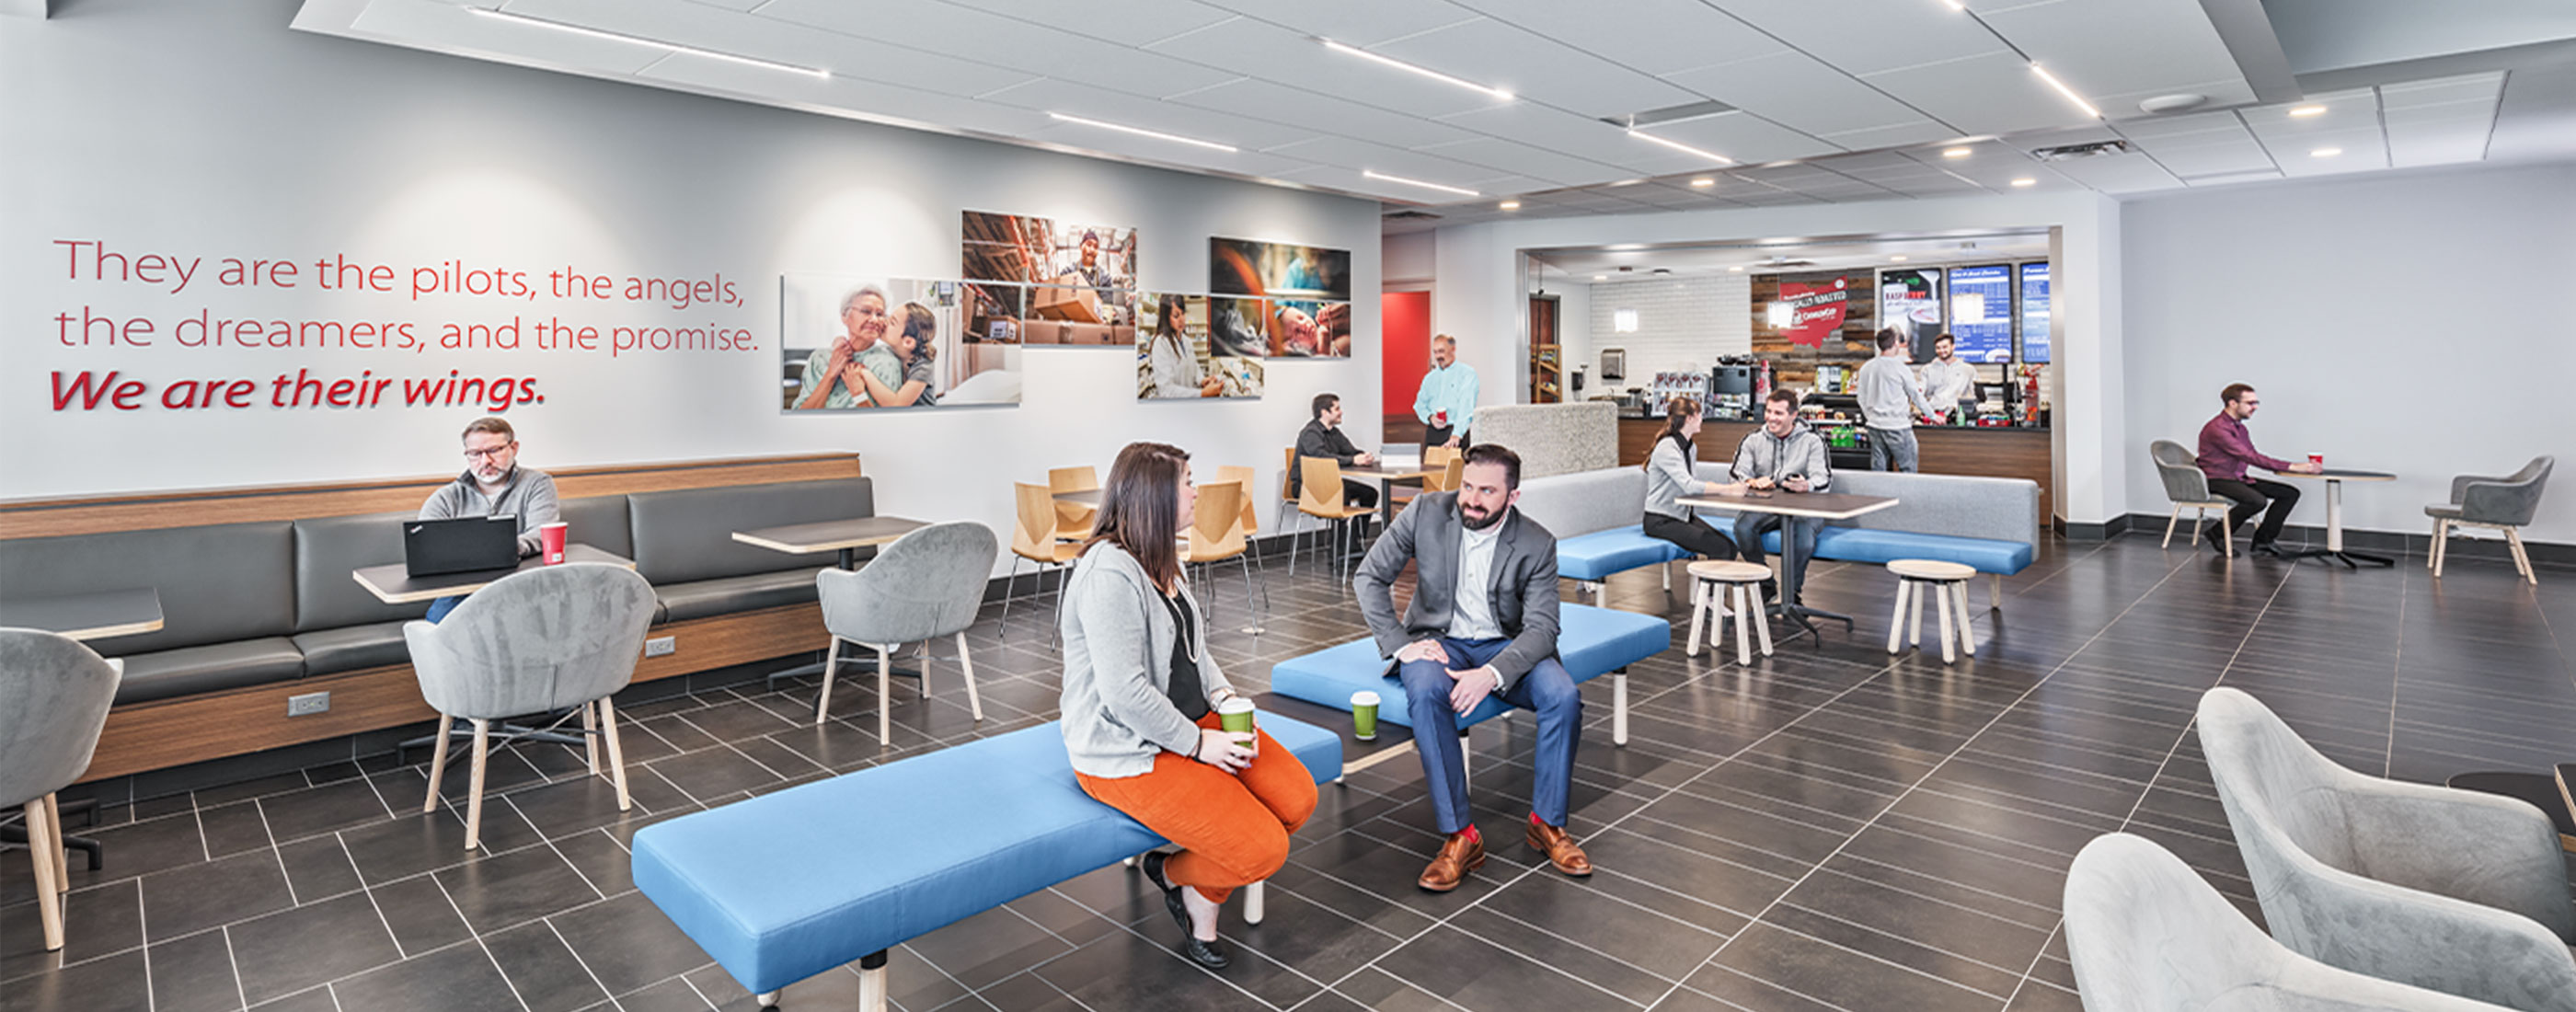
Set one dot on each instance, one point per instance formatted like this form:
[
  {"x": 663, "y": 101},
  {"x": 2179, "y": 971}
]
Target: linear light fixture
[
  {"x": 1957, "y": 152},
  {"x": 1442, "y": 187},
  {"x": 1681, "y": 147},
  {"x": 2025, "y": 181},
  {"x": 2308, "y": 110},
  {"x": 1704, "y": 182},
  {"x": 639, "y": 40},
  {"x": 1411, "y": 69},
  {"x": 2325, "y": 152},
  {"x": 1142, "y": 132},
  {"x": 2062, "y": 89},
  {"x": 1510, "y": 205}
]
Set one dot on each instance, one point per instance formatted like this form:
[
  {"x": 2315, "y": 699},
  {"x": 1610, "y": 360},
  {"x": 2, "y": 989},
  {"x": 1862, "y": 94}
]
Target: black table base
[{"x": 2351, "y": 560}]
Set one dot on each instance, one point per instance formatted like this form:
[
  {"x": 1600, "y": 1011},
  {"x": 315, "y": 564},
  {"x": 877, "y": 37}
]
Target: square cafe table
[
  {"x": 845, "y": 537},
  {"x": 1387, "y": 475},
  {"x": 99, "y": 615},
  {"x": 1800, "y": 505},
  {"x": 2334, "y": 477},
  {"x": 393, "y": 583}
]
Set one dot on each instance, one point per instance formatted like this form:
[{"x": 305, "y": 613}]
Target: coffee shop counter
[{"x": 1990, "y": 452}]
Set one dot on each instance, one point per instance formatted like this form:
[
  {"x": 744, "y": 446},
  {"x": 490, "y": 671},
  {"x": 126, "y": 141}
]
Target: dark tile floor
[{"x": 1827, "y": 828}]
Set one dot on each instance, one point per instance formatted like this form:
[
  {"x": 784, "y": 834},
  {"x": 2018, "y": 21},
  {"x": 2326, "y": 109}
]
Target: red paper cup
[
  {"x": 2318, "y": 459},
  {"x": 550, "y": 538}
]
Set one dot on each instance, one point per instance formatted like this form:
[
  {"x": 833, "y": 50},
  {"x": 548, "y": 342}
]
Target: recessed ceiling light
[
  {"x": 1681, "y": 147},
  {"x": 2062, "y": 89},
  {"x": 1139, "y": 131},
  {"x": 672, "y": 47},
  {"x": 1899, "y": 258},
  {"x": 1601, "y": 277},
  {"x": 2308, "y": 110},
  {"x": 1442, "y": 187},
  {"x": 1957, "y": 152},
  {"x": 1409, "y": 68},
  {"x": 2325, "y": 152},
  {"x": 1626, "y": 182},
  {"x": 1510, "y": 205},
  {"x": 2025, "y": 181},
  {"x": 1954, "y": 5},
  {"x": 1737, "y": 269},
  {"x": 1704, "y": 182}
]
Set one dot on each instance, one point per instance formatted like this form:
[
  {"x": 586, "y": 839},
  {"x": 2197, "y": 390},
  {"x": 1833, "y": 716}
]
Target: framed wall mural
[
  {"x": 1302, "y": 295},
  {"x": 1077, "y": 282},
  {"x": 857, "y": 344},
  {"x": 1174, "y": 360}
]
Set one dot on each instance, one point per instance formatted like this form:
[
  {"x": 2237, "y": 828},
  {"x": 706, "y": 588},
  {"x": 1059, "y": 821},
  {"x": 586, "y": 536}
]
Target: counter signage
[
  {"x": 2034, "y": 313},
  {"x": 1814, "y": 311},
  {"x": 1909, "y": 302},
  {"x": 1981, "y": 317}
]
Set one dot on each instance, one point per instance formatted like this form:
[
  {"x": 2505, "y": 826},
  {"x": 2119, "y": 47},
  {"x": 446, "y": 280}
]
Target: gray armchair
[
  {"x": 2504, "y": 504},
  {"x": 2186, "y": 487},
  {"x": 553, "y": 639},
  {"x": 54, "y": 695},
  {"x": 2455, "y": 891},
  {"x": 2147, "y": 935},
  {"x": 927, "y": 584}
]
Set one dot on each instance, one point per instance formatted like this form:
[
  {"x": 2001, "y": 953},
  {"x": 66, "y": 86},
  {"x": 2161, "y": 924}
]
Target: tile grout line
[
  {"x": 239, "y": 990},
  {"x": 476, "y": 935}
]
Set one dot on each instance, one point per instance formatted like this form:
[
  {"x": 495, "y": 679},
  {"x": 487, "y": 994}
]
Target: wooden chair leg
[
  {"x": 2521, "y": 558},
  {"x": 1896, "y": 622},
  {"x": 62, "y": 860},
  {"x": 590, "y": 738},
  {"x": 1744, "y": 608},
  {"x": 474, "y": 805},
  {"x": 1699, "y": 611},
  {"x": 46, "y": 858},
  {"x": 2170, "y": 521},
  {"x": 437, "y": 763},
  {"x": 831, "y": 666},
  {"x": 2434, "y": 546},
  {"x": 1967, "y": 639},
  {"x": 966, "y": 664},
  {"x": 616, "y": 752},
  {"x": 1941, "y": 604},
  {"x": 2441, "y": 549}
]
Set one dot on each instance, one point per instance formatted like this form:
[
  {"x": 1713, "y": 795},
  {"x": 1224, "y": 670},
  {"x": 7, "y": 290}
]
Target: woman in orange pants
[{"x": 1140, "y": 699}]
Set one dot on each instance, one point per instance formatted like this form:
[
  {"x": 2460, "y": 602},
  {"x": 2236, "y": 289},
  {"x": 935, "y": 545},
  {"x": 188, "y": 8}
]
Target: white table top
[
  {"x": 93, "y": 616},
  {"x": 1818, "y": 505},
  {"x": 2340, "y": 474},
  {"x": 393, "y": 583},
  {"x": 830, "y": 535}
]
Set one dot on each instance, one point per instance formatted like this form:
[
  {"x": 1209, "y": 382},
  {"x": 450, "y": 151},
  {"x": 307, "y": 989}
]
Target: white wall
[
  {"x": 1481, "y": 266},
  {"x": 2407, "y": 323},
  {"x": 213, "y": 130},
  {"x": 1683, "y": 323},
  {"x": 1408, "y": 260}
]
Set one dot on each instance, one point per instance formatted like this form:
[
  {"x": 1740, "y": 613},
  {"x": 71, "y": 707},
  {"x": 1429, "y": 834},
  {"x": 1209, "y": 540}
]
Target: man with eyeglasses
[{"x": 493, "y": 485}]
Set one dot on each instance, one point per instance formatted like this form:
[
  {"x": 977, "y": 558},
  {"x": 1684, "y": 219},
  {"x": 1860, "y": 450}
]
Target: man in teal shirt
[{"x": 1447, "y": 401}]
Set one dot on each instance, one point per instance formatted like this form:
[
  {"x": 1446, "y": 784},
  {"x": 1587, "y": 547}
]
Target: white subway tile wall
[{"x": 1683, "y": 324}]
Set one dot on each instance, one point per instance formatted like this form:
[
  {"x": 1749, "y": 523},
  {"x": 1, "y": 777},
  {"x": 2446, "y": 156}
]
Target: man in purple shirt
[{"x": 2225, "y": 452}]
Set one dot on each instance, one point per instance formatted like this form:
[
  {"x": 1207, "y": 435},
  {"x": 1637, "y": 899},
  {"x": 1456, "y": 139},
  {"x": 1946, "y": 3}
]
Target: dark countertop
[{"x": 1919, "y": 428}]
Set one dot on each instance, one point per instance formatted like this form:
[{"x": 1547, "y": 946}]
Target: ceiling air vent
[
  {"x": 2071, "y": 152},
  {"x": 1408, "y": 214}
]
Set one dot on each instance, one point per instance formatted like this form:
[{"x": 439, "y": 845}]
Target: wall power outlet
[
  {"x": 308, "y": 704},
  {"x": 661, "y": 646}
]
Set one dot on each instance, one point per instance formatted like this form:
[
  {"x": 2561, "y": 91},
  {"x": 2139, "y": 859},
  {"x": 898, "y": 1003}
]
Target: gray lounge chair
[{"x": 2505, "y": 504}]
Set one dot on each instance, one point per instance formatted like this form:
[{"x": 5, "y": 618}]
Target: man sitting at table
[
  {"x": 2225, "y": 452},
  {"x": 1783, "y": 454},
  {"x": 1323, "y": 437},
  {"x": 1482, "y": 622},
  {"x": 493, "y": 485}
]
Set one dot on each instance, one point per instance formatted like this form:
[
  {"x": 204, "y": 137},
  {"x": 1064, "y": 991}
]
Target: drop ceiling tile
[
  {"x": 2344, "y": 110},
  {"x": 1744, "y": 137},
  {"x": 2436, "y": 143},
  {"x": 2233, "y": 177},
  {"x": 1540, "y": 126},
  {"x": 2151, "y": 128},
  {"x": 2212, "y": 159},
  {"x": 442, "y": 27},
  {"x": 1131, "y": 22},
  {"x": 992, "y": 38},
  {"x": 1933, "y": 186},
  {"x": 1867, "y": 36},
  {"x": 2295, "y": 155},
  {"x": 1292, "y": 58},
  {"x": 1922, "y": 131},
  {"x": 1242, "y": 163},
  {"x": 1991, "y": 94},
  {"x": 1859, "y": 164},
  {"x": 1359, "y": 156},
  {"x": 786, "y": 42},
  {"x": 1649, "y": 36},
  {"x": 1124, "y": 109},
  {"x": 1522, "y": 159},
  {"x": 1357, "y": 22},
  {"x": 1325, "y": 114},
  {"x": 2442, "y": 91},
  {"x": 2116, "y": 174},
  {"x": 2121, "y": 47},
  {"x": 1799, "y": 91},
  {"x": 874, "y": 100},
  {"x": 1534, "y": 67},
  {"x": 2220, "y": 94}
]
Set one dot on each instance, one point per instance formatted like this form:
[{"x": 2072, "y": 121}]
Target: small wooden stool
[
  {"x": 1947, "y": 582},
  {"x": 1741, "y": 582}
]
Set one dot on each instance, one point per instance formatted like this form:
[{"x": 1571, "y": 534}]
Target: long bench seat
[
  {"x": 1594, "y": 557},
  {"x": 1857, "y": 544},
  {"x": 1590, "y": 642},
  {"x": 784, "y": 886}
]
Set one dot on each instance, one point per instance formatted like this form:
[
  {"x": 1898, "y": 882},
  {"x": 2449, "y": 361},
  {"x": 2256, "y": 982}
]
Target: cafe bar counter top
[{"x": 1998, "y": 452}]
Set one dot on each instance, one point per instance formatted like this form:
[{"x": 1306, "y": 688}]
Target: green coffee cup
[
  {"x": 1235, "y": 714},
  {"x": 1364, "y": 715}
]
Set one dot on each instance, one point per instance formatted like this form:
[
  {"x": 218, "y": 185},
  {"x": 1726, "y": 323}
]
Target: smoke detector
[
  {"x": 2073, "y": 152},
  {"x": 2174, "y": 103}
]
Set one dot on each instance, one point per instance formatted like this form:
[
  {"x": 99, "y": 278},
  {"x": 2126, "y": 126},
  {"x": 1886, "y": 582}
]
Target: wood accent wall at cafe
[{"x": 1795, "y": 364}]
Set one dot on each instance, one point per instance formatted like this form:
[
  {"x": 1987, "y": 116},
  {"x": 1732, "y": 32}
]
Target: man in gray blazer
[{"x": 1482, "y": 623}]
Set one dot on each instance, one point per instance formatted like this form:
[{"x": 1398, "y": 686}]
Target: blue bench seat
[
  {"x": 1876, "y": 545},
  {"x": 784, "y": 886},
  {"x": 1590, "y": 642},
  {"x": 1593, "y": 557}
]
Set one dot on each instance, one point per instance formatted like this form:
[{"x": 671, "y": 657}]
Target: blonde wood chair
[
  {"x": 1216, "y": 534},
  {"x": 1287, "y": 500},
  {"x": 1073, "y": 515},
  {"x": 1245, "y": 476},
  {"x": 1039, "y": 535},
  {"x": 1320, "y": 496}
]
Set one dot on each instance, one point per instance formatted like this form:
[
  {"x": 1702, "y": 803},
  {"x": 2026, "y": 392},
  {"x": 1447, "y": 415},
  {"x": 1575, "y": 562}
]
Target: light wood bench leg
[
  {"x": 2434, "y": 549},
  {"x": 872, "y": 983},
  {"x": 1619, "y": 708},
  {"x": 1896, "y": 622},
  {"x": 1941, "y": 604},
  {"x": 1995, "y": 592},
  {"x": 2441, "y": 549},
  {"x": 1255, "y": 905},
  {"x": 1719, "y": 596},
  {"x": 1967, "y": 638}
]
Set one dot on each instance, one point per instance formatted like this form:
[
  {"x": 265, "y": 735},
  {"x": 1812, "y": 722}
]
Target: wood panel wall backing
[
  {"x": 38, "y": 518},
  {"x": 1795, "y": 364}
]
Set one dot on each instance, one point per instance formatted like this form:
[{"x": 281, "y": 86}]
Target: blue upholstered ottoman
[{"x": 1590, "y": 642}]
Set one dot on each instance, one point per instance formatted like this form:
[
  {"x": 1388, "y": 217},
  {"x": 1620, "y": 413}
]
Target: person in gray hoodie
[
  {"x": 1141, "y": 691},
  {"x": 1787, "y": 456}
]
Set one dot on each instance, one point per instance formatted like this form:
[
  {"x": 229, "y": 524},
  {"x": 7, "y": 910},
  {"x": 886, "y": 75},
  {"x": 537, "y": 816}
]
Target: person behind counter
[
  {"x": 1949, "y": 382},
  {"x": 1886, "y": 389},
  {"x": 2225, "y": 451},
  {"x": 493, "y": 485},
  {"x": 1669, "y": 478},
  {"x": 1783, "y": 454}
]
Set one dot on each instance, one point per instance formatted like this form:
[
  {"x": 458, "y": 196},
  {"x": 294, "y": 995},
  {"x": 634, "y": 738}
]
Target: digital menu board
[
  {"x": 1981, "y": 318},
  {"x": 2034, "y": 313},
  {"x": 1909, "y": 302}
]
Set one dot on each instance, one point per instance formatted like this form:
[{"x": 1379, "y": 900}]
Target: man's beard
[{"x": 1475, "y": 524}]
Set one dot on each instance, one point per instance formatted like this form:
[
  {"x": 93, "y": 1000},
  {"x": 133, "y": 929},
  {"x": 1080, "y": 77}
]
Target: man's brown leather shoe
[
  {"x": 1559, "y": 848},
  {"x": 1462, "y": 854}
]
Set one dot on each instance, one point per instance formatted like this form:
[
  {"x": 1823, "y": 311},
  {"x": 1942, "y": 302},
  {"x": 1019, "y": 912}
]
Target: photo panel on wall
[
  {"x": 851, "y": 343},
  {"x": 1304, "y": 291},
  {"x": 1083, "y": 273},
  {"x": 1173, "y": 356}
]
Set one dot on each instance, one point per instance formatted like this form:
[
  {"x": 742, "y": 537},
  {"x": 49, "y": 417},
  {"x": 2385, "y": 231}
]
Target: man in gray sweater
[
  {"x": 493, "y": 485},
  {"x": 1886, "y": 387},
  {"x": 1482, "y": 623},
  {"x": 1784, "y": 455}
]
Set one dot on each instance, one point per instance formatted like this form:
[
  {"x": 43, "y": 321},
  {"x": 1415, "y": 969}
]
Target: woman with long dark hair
[
  {"x": 1172, "y": 368},
  {"x": 1141, "y": 692},
  {"x": 1669, "y": 477}
]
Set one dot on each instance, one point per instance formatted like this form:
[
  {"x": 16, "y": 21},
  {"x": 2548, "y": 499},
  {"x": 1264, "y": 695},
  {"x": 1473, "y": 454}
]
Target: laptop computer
[{"x": 460, "y": 545}]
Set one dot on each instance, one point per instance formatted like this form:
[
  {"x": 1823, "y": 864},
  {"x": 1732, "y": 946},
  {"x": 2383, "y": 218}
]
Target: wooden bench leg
[
  {"x": 872, "y": 982},
  {"x": 1464, "y": 754},
  {"x": 1619, "y": 708},
  {"x": 1995, "y": 592},
  {"x": 1254, "y": 905}
]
